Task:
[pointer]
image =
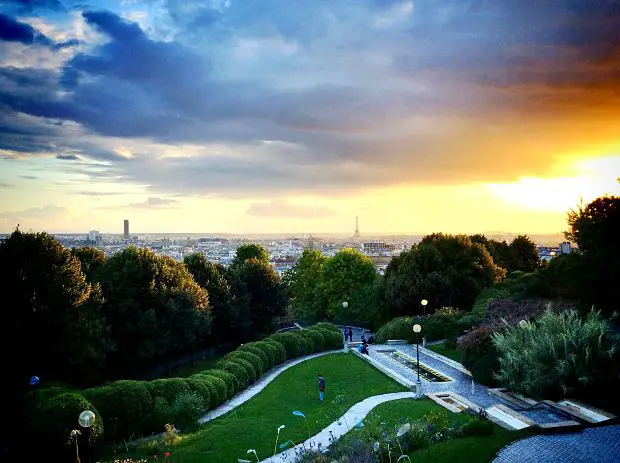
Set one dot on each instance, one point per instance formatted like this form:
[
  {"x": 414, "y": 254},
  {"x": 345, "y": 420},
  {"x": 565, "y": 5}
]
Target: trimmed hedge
[
  {"x": 227, "y": 377},
  {"x": 57, "y": 417},
  {"x": 327, "y": 326},
  {"x": 199, "y": 386},
  {"x": 279, "y": 352},
  {"x": 294, "y": 344},
  {"x": 125, "y": 406},
  {"x": 237, "y": 370},
  {"x": 317, "y": 337},
  {"x": 267, "y": 362},
  {"x": 333, "y": 339},
  {"x": 310, "y": 344},
  {"x": 169, "y": 388},
  {"x": 248, "y": 367},
  {"x": 217, "y": 388},
  {"x": 254, "y": 360}
]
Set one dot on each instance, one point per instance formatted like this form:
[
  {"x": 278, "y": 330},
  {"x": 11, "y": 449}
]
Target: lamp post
[
  {"x": 86, "y": 420},
  {"x": 345, "y": 305},
  {"x": 275, "y": 447},
  {"x": 418, "y": 385},
  {"x": 424, "y": 302}
]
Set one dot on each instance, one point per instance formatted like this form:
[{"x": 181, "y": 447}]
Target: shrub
[
  {"x": 169, "y": 388},
  {"x": 316, "y": 338},
  {"x": 237, "y": 370},
  {"x": 333, "y": 340},
  {"x": 398, "y": 328},
  {"x": 227, "y": 377},
  {"x": 199, "y": 386},
  {"x": 186, "y": 409},
  {"x": 497, "y": 291},
  {"x": 478, "y": 354},
  {"x": 418, "y": 437},
  {"x": 279, "y": 352},
  {"x": 269, "y": 351},
  {"x": 475, "y": 426},
  {"x": 260, "y": 353},
  {"x": 557, "y": 355},
  {"x": 253, "y": 359},
  {"x": 293, "y": 344},
  {"x": 50, "y": 430},
  {"x": 304, "y": 344},
  {"x": 327, "y": 326},
  {"x": 217, "y": 388},
  {"x": 125, "y": 406}
]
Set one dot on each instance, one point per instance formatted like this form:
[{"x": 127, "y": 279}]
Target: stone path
[
  {"x": 339, "y": 427},
  {"x": 258, "y": 386},
  {"x": 591, "y": 445}
]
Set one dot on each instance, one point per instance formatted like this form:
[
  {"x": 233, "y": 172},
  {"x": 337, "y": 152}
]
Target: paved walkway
[
  {"x": 339, "y": 427},
  {"x": 591, "y": 445},
  {"x": 258, "y": 386}
]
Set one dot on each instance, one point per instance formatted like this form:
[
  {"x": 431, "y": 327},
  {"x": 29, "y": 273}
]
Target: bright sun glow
[{"x": 596, "y": 177}]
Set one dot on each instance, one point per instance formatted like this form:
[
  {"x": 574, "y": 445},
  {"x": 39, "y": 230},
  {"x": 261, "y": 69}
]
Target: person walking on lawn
[{"x": 321, "y": 387}]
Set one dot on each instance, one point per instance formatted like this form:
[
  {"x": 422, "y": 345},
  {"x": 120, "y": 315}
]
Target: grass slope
[
  {"x": 254, "y": 424},
  {"x": 386, "y": 418}
]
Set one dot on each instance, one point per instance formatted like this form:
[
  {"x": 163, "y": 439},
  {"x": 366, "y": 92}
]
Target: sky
[{"x": 272, "y": 116}]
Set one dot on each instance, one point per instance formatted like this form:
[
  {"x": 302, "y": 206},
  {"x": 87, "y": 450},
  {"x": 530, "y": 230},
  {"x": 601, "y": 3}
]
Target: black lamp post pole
[{"x": 417, "y": 350}]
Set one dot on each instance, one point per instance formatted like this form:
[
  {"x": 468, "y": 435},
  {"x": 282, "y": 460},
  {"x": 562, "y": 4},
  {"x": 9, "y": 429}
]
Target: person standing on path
[
  {"x": 346, "y": 333},
  {"x": 350, "y": 335},
  {"x": 321, "y": 387}
]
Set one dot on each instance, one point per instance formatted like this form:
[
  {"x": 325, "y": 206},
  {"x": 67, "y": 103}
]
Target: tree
[
  {"x": 347, "y": 276},
  {"x": 264, "y": 294},
  {"x": 302, "y": 282},
  {"x": 154, "y": 307},
  {"x": 224, "y": 308},
  {"x": 91, "y": 260},
  {"x": 524, "y": 255},
  {"x": 249, "y": 251},
  {"x": 595, "y": 229},
  {"x": 51, "y": 321},
  {"x": 446, "y": 270}
]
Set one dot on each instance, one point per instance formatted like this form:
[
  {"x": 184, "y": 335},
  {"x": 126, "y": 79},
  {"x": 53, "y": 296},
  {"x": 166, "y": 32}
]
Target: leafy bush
[
  {"x": 217, "y": 388},
  {"x": 186, "y": 409},
  {"x": 262, "y": 354},
  {"x": 293, "y": 344},
  {"x": 498, "y": 291},
  {"x": 327, "y": 326},
  {"x": 269, "y": 351},
  {"x": 478, "y": 354},
  {"x": 199, "y": 386},
  {"x": 398, "y": 328},
  {"x": 237, "y": 370},
  {"x": 125, "y": 408},
  {"x": 317, "y": 337},
  {"x": 333, "y": 340},
  {"x": 558, "y": 354},
  {"x": 169, "y": 388},
  {"x": 417, "y": 437},
  {"x": 57, "y": 417},
  {"x": 309, "y": 340},
  {"x": 253, "y": 359},
  {"x": 279, "y": 352},
  {"x": 475, "y": 426},
  {"x": 227, "y": 377}
]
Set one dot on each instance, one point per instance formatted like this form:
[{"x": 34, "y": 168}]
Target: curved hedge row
[{"x": 132, "y": 408}]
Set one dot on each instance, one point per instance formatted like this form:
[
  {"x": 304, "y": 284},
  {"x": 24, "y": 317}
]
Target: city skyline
[{"x": 242, "y": 118}]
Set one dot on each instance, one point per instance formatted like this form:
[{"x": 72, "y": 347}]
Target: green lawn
[
  {"x": 390, "y": 415},
  {"x": 449, "y": 352},
  {"x": 254, "y": 424}
]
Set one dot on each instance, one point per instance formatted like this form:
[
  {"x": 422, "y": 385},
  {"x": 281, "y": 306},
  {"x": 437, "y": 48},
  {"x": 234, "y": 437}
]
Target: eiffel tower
[{"x": 357, "y": 228}]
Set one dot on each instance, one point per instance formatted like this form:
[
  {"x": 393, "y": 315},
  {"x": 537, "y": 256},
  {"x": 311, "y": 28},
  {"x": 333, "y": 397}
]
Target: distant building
[
  {"x": 126, "y": 229},
  {"x": 566, "y": 248},
  {"x": 378, "y": 247},
  {"x": 93, "y": 236}
]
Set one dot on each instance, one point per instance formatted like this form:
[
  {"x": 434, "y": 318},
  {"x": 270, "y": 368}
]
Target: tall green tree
[
  {"x": 524, "y": 255},
  {"x": 91, "y": 260},
  {"x": 247, "y": 252},
  {"x": 264, "y": 294},
  {"x": 154, "y": 307},
  {"x": 348, "y": 276},
  {"x": 51, "y": 320},
  {"x": 595, "y": 229},
  {"x": 303, "y": 281},
  {"x": 224, "y": 307},
  {"x": 446, "y": 270}
]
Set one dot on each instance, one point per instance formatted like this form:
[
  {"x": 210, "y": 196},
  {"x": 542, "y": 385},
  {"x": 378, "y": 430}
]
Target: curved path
[
  {"x": 258, "y": 386},
  {"x": 341, "y": 426},
  {"x": 591, "y": 445}
]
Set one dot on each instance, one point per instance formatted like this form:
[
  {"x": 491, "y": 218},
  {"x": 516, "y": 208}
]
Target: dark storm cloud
[
  {"x": 338, "y": 99},
  {"x": 12, "y": 30}
]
